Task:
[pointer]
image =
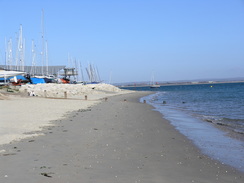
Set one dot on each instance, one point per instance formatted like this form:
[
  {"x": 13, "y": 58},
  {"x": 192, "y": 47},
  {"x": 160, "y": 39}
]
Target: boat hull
[{"x": 155, "y": 86}]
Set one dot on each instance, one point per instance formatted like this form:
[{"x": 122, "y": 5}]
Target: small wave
[
  {"x": 210, "y": 119},
  {"x": 234, "y": 120},
  {"x": 156, "y": 98},
  {"x": 238, "y": 131},
  {"x": 236, "y": 125}
]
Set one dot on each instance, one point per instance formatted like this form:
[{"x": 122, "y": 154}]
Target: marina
[{"x": 40, "y": 71}]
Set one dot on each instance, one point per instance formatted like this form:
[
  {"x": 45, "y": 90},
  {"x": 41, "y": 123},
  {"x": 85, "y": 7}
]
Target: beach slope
[{"x": 118, "y": 140}]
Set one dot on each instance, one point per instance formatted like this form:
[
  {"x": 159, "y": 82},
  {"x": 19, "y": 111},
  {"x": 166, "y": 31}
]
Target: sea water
[{"x": 198, "y": 110}]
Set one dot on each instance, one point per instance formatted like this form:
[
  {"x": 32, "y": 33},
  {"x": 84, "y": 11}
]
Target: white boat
[
  {"x": 6, "y": 74},
  {"x": 153, "y": 84}
]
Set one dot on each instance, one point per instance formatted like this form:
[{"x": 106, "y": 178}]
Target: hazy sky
[{"x": 130, "y": 39}]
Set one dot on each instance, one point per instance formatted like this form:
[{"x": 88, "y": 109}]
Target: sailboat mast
[
  {"x": 17, "y": 53},
  {"x": 43, "y": 42},
  {"x": 23, "y": 56},
  {"x": 82, "y": 77},
  {"x": 9, "y": 55},
  {"x": 75, "y": 70},
  {"x": 6, "y": 54},
  {"x": 98, "y": 75},
  {"x": 20, "y": 50},
  {"x": 46, "y": 59},
  {"x": 33, "y": 65}
]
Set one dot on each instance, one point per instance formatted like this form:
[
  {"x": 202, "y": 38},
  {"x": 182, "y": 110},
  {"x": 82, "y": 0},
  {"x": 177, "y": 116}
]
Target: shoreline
[
  {"x": 212, "y": 139},
  {"x": 120, "y": 140}
]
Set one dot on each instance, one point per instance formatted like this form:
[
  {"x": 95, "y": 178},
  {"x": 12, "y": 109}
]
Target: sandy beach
[
  {"x": 118, "y": 140},
  {"x": 23, "y": 116}
]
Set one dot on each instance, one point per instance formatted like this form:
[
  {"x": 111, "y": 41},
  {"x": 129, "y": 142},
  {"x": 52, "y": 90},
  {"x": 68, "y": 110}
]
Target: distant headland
[{"x": 182, "y": 82}]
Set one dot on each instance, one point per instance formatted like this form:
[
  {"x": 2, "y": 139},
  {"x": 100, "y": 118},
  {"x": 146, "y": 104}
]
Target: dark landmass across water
[{"x": 181, "y": 82}]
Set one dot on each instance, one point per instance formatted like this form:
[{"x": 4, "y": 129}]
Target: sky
[{"x": 129, "y": 40}]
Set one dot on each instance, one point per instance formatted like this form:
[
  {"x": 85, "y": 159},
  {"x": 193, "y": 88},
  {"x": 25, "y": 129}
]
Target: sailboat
[{"x": 153, "y": 84}]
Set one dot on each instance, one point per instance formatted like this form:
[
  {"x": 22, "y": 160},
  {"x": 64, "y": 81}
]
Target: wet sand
[{"x": 120, "y": 140}]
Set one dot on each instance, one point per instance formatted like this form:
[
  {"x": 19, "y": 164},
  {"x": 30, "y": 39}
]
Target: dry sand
[
  {"x": 22, "y": 117},
  {"x": 120, "y": 140}
]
